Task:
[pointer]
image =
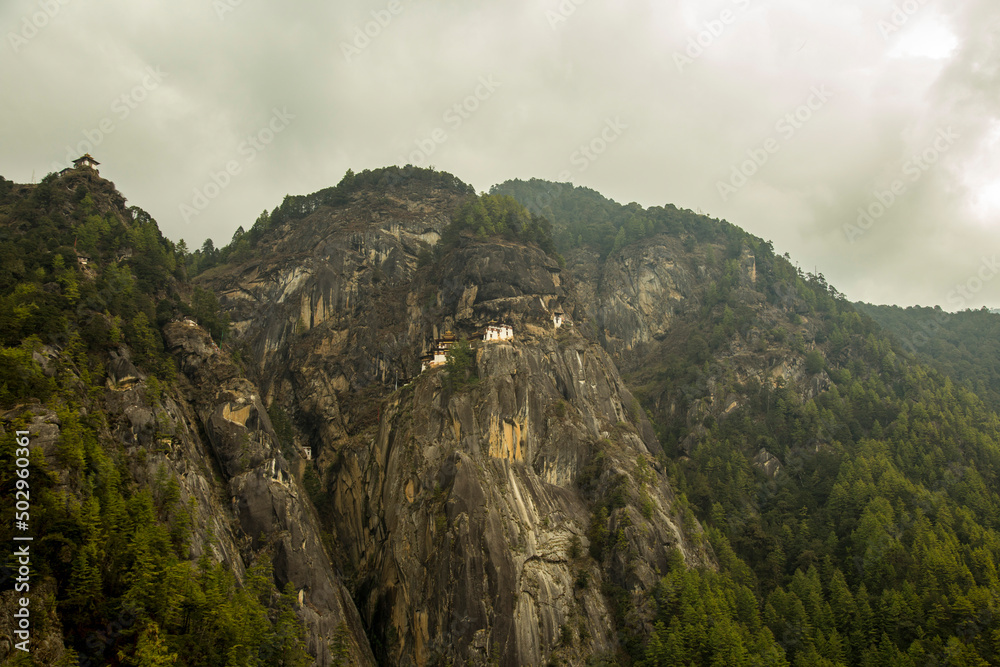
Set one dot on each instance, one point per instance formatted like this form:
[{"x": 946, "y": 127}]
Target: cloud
[{"x": 564, "y": 69}]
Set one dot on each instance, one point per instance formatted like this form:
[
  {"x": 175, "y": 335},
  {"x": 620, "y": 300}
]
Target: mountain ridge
[{"x": 709, "y": 434}]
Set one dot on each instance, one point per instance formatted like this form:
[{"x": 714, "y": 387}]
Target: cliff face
[
  {"x": 328, "y": 311},
  {"x": 480, "y": 522},
  {"x": 636, "y": 294},
  {"x": 210, "y": 435},
  {"x": 655, "y": 301},
  {"x": 267, "y": 504},
  {"x": 467, "y": 520}
]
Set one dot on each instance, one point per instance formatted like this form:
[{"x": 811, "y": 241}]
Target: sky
[{"x": 862, "y": 138}]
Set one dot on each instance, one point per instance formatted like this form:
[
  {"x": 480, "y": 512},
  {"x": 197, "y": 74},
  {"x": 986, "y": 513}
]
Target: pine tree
[
  {"x": 340, "y": 648},
  {"x": 150, "y": 651},
  {"x": 458, "y": 364},
  {"x": 619, "y": 241}
]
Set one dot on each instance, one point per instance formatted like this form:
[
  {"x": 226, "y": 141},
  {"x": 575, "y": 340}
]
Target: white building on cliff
[{"x": 493, "y": 332}]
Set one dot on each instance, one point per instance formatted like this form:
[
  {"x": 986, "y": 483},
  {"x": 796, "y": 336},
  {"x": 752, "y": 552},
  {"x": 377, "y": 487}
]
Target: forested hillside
[
  {"x": 582, "y": 217},
  {"x": 122, "y": 571},
  {"x": 965, "y": 346},
  {"x": 851, "y": 488}
]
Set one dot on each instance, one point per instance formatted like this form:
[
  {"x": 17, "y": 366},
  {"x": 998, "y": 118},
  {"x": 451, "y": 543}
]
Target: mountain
[
  {"x": 811, "y": 443},
  {"x": 965, "y": 346},
  {"x": 687, "y": 452},
  {"x": 165, "y": 519},
  {"x": 427, "y": 486}
]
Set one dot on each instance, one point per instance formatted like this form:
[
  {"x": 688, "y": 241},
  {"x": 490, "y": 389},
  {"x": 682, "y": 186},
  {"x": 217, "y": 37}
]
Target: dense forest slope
[
  {"x": 856, "y": 486},
  {"x": 688, "y": 453},
  {"x": 965, "y": 346}
]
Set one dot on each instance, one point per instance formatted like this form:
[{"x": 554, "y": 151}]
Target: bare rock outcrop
[
  {"x": 469, "y": 518},
  {"x": 272, "y": 511}
]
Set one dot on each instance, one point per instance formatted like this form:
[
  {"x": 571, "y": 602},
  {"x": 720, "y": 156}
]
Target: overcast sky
[{"x": 786, "y": 117}]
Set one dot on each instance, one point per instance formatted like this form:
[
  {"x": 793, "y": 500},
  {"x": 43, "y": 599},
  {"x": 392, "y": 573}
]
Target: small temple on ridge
[{"x": 86, "y": 160}]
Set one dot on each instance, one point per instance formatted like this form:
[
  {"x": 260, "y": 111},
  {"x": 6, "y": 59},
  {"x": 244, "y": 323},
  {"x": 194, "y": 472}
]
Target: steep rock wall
[
  {"x": 271, "y": 510},
  {"x": 461, "y": 517}
]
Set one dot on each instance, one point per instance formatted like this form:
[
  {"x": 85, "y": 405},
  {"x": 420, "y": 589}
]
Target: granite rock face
[
  {"x": 484, "y": 521},
  {"x": 462, "y": 516},
  {"x": 270, "y": 508},
  {"x": 641, "y": 288},
  {"x": 478, "y": 523}
]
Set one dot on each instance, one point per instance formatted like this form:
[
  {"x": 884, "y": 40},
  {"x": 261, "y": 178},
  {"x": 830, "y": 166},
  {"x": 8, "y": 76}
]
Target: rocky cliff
[
  {"x": 151, "y": 487},
  {"x": 211, "y": 441},
  {"x": 483, "y": 522},
  {"x": 268, "y": 506},
  {"x": 468, "y": 520},
  {"x": 655, "y": 301}
]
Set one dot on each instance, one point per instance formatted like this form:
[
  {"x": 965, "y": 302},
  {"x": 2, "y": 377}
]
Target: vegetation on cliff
[
  {"x": 501, "y": 216},
  {"x": 878, "y": 539},
  {"x": 83, "y": 278},
  {"x": 846, "y": 469},
  {"x": 581, "y": 217}
]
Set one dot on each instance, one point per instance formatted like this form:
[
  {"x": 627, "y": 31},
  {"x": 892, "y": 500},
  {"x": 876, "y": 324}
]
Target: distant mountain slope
[
  {"x": 965, "y": 346},
  {"x": 584, "y": 218}
]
